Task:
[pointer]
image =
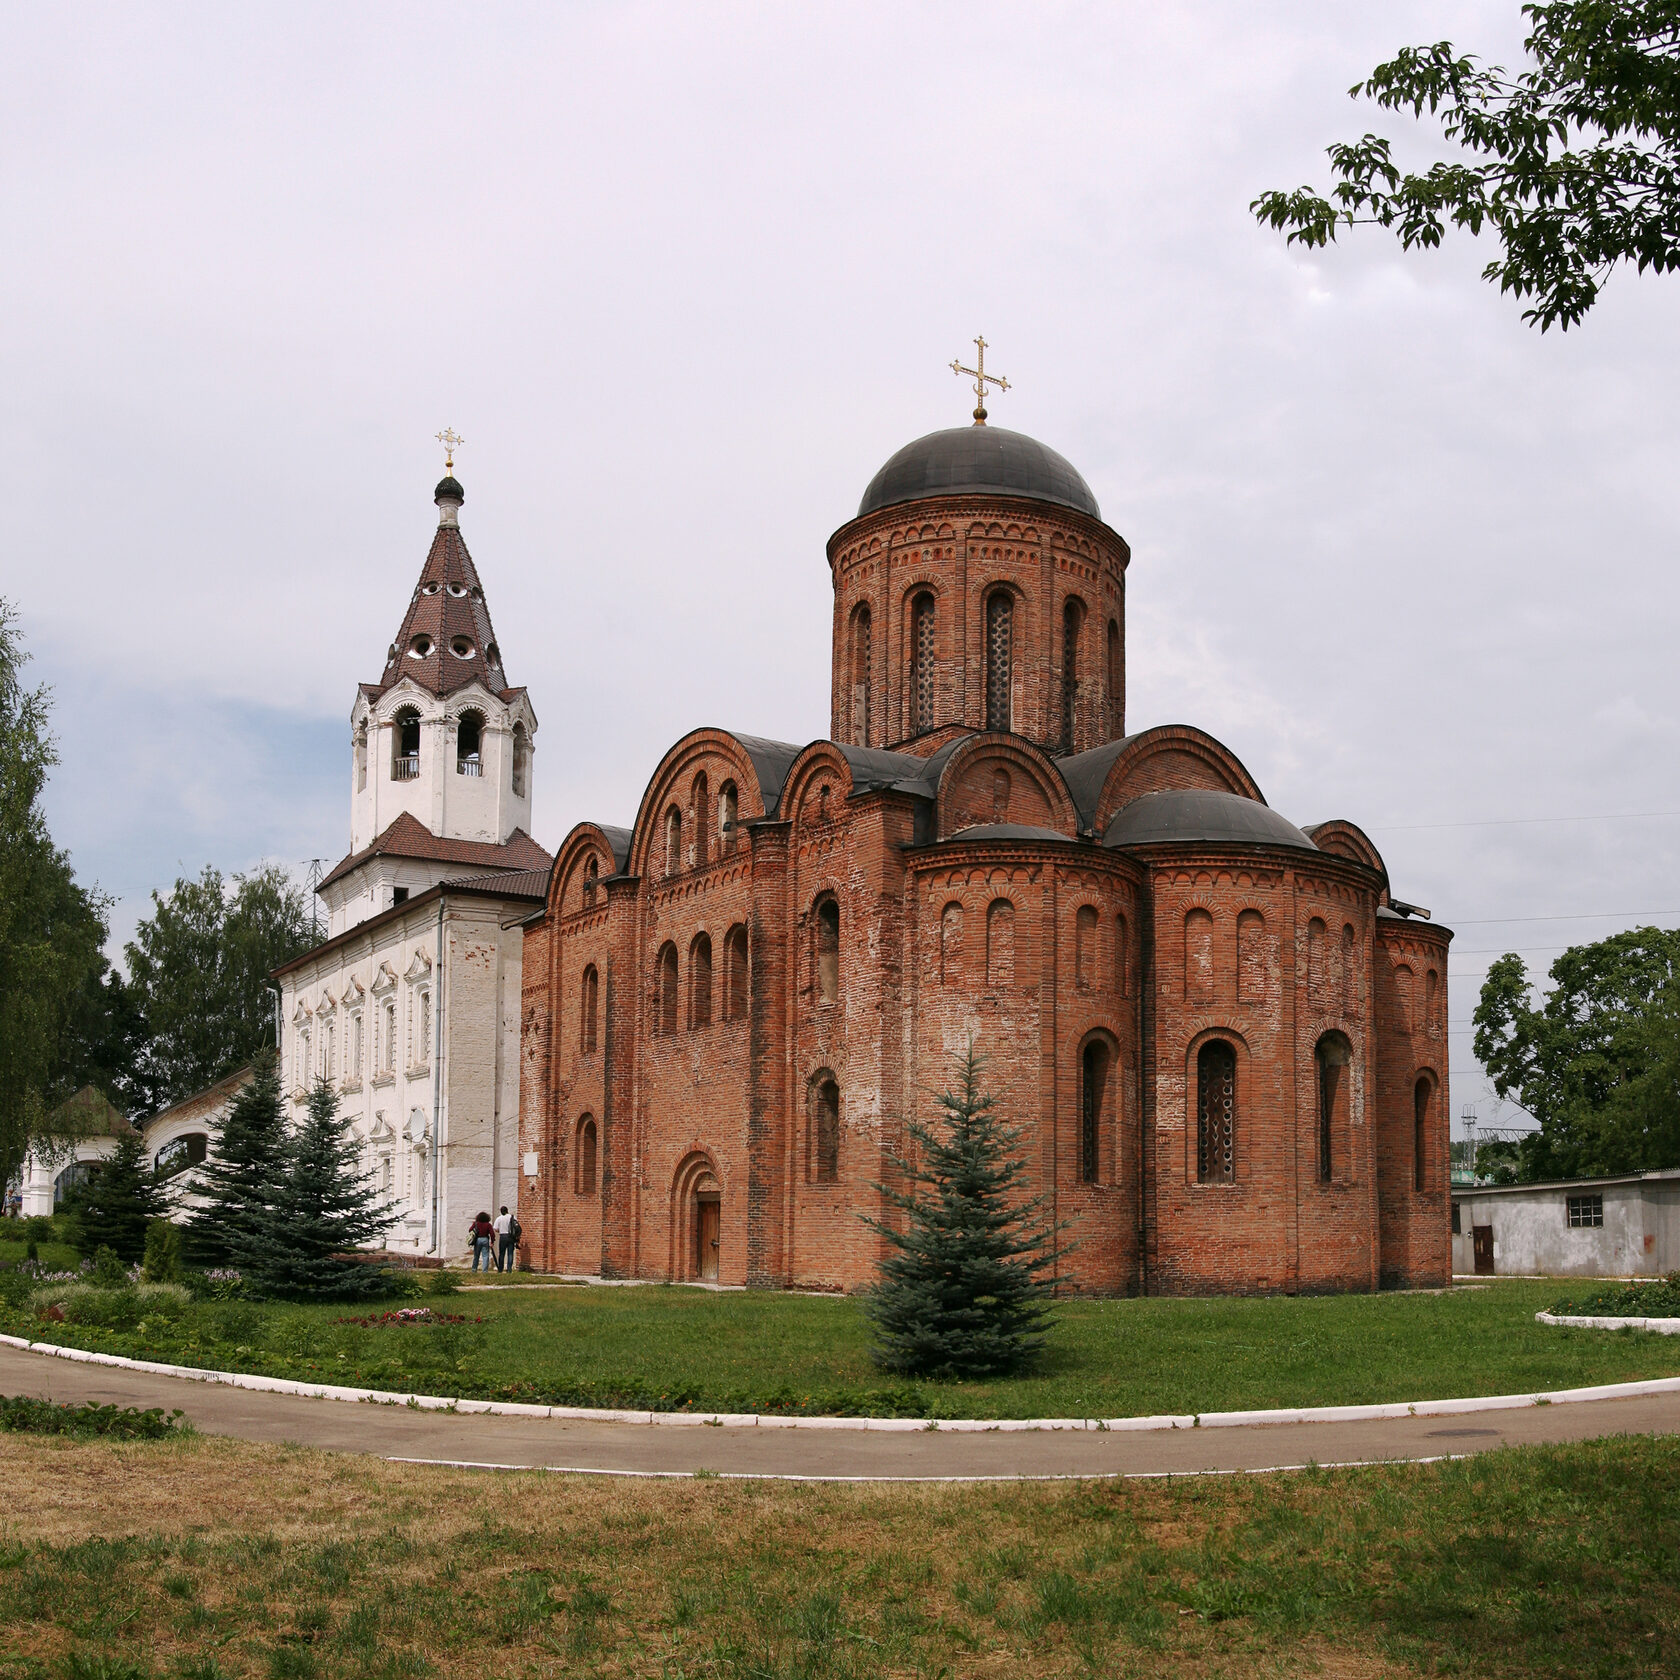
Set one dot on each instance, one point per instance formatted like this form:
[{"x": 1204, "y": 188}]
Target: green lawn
[
  {"x": 206, "y": 1559},
  {"x": 54, "y": 1256},
  {"x": 667, "y": 1348}
]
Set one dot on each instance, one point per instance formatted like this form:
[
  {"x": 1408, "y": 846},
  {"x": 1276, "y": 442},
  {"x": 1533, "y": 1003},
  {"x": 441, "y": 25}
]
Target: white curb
[
  {"x": 978, "y": 1426},
  {"x": 1662, "y": 1326}
]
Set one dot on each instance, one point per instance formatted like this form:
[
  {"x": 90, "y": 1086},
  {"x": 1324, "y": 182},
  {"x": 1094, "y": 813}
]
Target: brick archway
[{"x": 696, "y": 1180}]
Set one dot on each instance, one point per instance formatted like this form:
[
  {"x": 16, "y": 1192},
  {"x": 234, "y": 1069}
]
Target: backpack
[{"x": 515, "y": 1230}]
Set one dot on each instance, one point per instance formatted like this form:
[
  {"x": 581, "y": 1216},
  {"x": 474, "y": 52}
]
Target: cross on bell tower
[{"x": 981, "y": 380}]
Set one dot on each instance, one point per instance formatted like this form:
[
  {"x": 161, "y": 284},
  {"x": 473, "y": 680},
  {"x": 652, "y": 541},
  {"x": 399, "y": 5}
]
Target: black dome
[
  {"x": 1202, "y": 814},
  {"x": 449, "y": 489},
  {"x": 983, "y": 460}
]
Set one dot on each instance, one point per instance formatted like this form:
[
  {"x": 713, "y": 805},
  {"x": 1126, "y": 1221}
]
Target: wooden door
[
  {"x": 706, "y": 1240},
  {"x": 1482, "y": 1237}
]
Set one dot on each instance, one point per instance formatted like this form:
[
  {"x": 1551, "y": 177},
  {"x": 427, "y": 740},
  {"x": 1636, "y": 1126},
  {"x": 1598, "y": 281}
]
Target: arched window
[
  {"x": 700, "y": 982},
  {"x": 728, "y": 817},
  {"x": 673, "y": 841},
  {"x": 863, "y": 654},
  {"x": 1000, "y": 944},
  {"x": 1315, "y": 959},
  {"x": 1251, "y": 957},
  {"x": 469, "y": 744},
  {"x": 181, "y": 1153},
  {"x": 521, "y": 752},
  {"x": 1421, "y": 1094},
  {"x": 1333, "y": 1056},
  {"x": 361, "y": 758},
  {"x": 1085, "y": 946},
  {"x": 1000, "y": 624},
  {"x": 1073, "y": 617},
  {"x": 1431, "y": 990},
  {"x": 950, "y": 944},
  {"x": 825, "y": 1130},
  {"x": 405, "y": 745},
  {"x": 921, "y": 663},
  {"x": 1116, "y": 689},
  {"x": 586, "y": 1149},
  {"x": 1198, "y": 956},
  {"x": 391, "y": 1036},
  {"x": 1093, "y": 1085},
  {"x": 1403, "y": 996},
  {"x": 828, "y": 951},
  {"x": 1216, "y": 1113},
  {"x": 702, "y": 818},
  {"x": 1350, "y": 971},
  {"x": 591, "y": 877},
  {"x": 590, "y": 995},
  {"x": 665, "y": 991},
  {"x": 1122, "y": 957},
  {"x": 735, "y": 973}
]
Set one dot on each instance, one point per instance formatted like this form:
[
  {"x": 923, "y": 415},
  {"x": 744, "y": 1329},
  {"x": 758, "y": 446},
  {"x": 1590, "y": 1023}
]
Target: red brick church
[{"x": 1226, "y": 1041}]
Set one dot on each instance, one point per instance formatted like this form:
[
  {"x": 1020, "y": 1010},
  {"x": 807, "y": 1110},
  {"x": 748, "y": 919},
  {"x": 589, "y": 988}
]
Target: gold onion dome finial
[{"x": 981, "y": 380}]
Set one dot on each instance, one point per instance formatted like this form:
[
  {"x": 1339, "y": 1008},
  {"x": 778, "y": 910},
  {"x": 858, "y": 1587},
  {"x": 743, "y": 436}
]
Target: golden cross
[
  {"x": 981, "y": 380},
  {"x": 451, "y": 442}
]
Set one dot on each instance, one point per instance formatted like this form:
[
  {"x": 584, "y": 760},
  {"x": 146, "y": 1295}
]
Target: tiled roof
[
  {"x": 448, "y": 610},
  {"x": 516, "y": 883},
  {"x": 408, "y": 837}
]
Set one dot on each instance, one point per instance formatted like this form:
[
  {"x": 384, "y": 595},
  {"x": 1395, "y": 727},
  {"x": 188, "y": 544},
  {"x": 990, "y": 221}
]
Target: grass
[
  {"x": 54, "y": 1256},
  {"x": 208, "y": 1559},
  {"x": 670, "y": 1348}
]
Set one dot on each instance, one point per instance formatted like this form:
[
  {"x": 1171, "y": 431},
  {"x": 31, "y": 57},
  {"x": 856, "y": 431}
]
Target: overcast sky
[{"x": 684, "y": 276}]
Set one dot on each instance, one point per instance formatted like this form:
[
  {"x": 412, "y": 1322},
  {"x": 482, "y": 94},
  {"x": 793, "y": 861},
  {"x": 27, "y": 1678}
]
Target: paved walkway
[{"x": 825, "y": 1454}]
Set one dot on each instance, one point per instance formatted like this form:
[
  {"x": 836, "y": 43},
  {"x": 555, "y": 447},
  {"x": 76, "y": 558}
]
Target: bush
[
  {"x": 162, "y": 1263},
  {"x": 127, "y": 1423},
  {"x": 38, "y": 1228},
  {"x": 110, "y": 1309},
  {"x": 444, "y": 1282},
  {"x": 1659, "y": 1298},
  {"x": 108, "y": 1270}
]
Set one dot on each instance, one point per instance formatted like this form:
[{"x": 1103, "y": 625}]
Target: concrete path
[{"x": 825, "y": 1454}]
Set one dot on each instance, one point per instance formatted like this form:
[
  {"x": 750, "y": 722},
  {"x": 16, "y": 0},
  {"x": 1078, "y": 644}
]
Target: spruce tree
[
  {"x": 963, "y": 1292},
  {"x": 240, "y": 1175},
  {"x": 323, "y": 1206},
  {"x": 120, "y": 1198}
]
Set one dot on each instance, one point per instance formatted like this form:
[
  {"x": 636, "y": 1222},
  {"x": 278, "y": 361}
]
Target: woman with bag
[{"x": 480, "y": 1234}]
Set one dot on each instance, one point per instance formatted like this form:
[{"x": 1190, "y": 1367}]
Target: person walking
[
  {"x": 507, "y": 1240},
  {"x": 481, "y": 1233}
]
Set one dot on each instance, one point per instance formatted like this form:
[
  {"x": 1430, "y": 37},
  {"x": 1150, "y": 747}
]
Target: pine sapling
[{"x": 963, "y": 1290}]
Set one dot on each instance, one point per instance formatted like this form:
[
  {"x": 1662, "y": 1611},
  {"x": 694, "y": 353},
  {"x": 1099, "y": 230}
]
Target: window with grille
[
  {"x": 1000, "y": 623},
  {"x": 921, "y": 665},
  {"x": 1072, "y": 616},
  {"x": 1585, "y": 1211},
  {"x": 1216, "y": 1113}
]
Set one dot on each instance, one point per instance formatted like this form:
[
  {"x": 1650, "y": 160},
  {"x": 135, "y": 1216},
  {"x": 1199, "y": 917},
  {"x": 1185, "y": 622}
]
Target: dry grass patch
[{"x": 212, "y": 1558}]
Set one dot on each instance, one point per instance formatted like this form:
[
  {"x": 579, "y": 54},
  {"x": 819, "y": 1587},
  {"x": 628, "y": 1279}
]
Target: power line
[
  {"x": 1519, "y": 822},
  {"x": 1573, "y": 916}
]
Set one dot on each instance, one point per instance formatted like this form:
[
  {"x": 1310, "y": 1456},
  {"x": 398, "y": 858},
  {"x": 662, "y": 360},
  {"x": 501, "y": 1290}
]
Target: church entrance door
[{"x": 706, "y": 1238}]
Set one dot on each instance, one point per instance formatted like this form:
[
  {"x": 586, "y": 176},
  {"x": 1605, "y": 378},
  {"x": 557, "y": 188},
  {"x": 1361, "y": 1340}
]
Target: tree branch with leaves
[{"x": 1573, "y": 163}]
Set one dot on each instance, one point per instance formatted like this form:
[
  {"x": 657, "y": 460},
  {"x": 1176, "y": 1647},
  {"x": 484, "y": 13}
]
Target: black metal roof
[
  {"x": 1202, "y": 814},
  {"x": 978, "y": 460}
]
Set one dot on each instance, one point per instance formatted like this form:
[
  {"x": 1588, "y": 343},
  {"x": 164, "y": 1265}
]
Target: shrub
[
  {"x": 38, "y": 1228},
  {"x": 1657, "y": 1298},
  {"x": 444, "y": 1282},
  {"x": 45, "y": 1417},
  {"x": 108, "y": 1270},
  {"x": 162, "y": 1263},
  {"x": 78, "y": 1302}
]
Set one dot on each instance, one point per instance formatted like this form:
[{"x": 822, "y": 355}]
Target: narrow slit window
[
  {"x": 735, "y": 974},
  {"x": 700, "y": 982},
  {"x": 828, "y": 951},
  {"x": 665, "y": 995},
  {"x": 1333, "y": 1061},
  {"x": 590, "y": 997},
  {"x": 1420, "y": 1135},
  {"x": 1073, "y": 614},
  {"x": 863, "y": 656},
  {"x": 825, "y": 1119},
  {"x": 1093, "y": 1081}
]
